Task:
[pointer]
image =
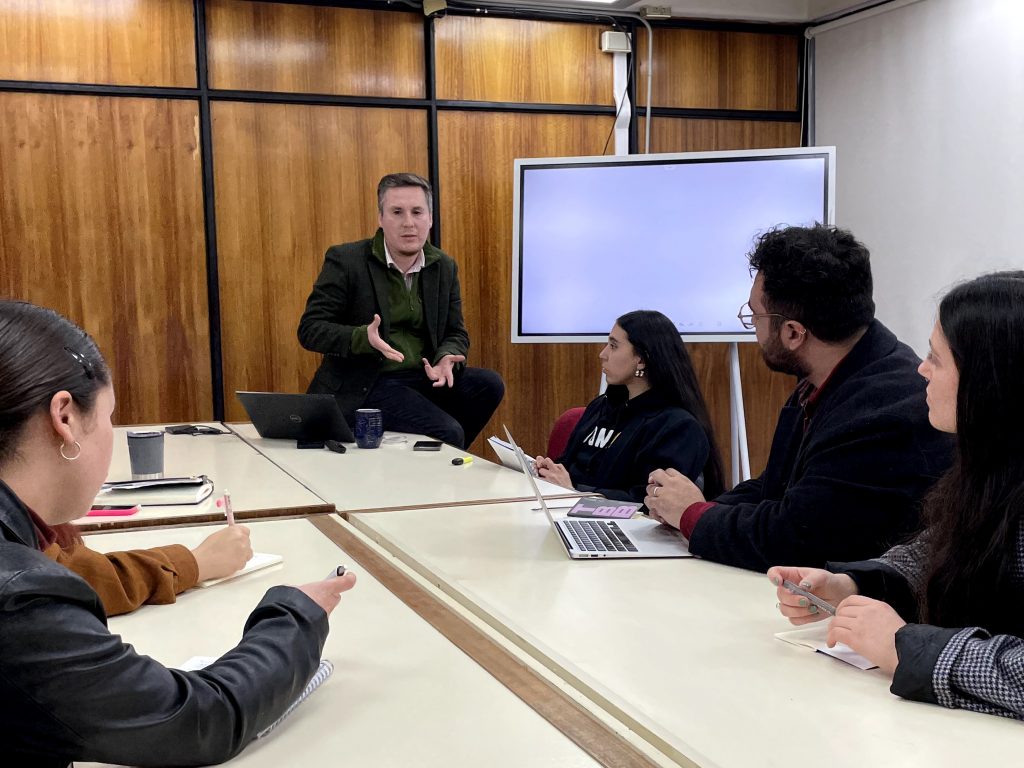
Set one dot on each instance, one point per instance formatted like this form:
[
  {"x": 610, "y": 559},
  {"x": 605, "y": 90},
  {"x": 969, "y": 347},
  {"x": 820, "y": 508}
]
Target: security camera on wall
[{"x": 434, "y": 9}]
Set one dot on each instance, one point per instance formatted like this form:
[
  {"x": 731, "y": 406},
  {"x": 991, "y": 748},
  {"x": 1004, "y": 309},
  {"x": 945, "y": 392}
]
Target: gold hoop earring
[{"x": 64, "y": 456}]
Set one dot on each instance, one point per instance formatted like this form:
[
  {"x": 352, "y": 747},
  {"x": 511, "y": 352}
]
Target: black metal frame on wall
[{"x": 204, "y": 95}]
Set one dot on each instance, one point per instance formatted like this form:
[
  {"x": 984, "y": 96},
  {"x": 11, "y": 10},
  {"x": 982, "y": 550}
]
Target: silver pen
[{"x": 815, "y": 600}]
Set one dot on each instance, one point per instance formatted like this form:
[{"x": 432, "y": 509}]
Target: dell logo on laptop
[{"x": 294, "y": 417}]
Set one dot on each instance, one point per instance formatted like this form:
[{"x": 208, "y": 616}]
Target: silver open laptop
[{"x": 585, "y": 538}]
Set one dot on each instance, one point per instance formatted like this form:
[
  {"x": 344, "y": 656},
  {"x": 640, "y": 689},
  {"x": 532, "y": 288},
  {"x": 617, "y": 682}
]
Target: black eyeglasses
[{"x": 79, "y": 358}]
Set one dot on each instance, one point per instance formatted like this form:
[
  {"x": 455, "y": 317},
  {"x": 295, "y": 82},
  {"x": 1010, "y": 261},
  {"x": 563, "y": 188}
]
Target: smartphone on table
[
  {"x": 112, "y": 510},
  {"x": 427, "y": 445}
]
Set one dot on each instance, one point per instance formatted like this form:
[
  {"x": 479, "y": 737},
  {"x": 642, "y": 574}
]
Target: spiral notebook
[
  {"x": 319, "y": 677},
  {"x": 322, "y": 673}
]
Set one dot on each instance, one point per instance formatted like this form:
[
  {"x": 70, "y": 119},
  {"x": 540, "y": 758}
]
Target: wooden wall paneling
[
  {"x": 314, "y": 49},
  {"x": 102, "y": 220},
  {"x": 705, "y": 69},
  {"x": 516, "y": 60},
  {"x": 122, "y": 42},
  {"x": 676, "y": 134},
  {"x": 290, "y": 181},
  {"x": 476, "y": 154}
]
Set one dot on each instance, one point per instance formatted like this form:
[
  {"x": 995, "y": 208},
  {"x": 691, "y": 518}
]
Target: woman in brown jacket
[{"x": 127, "y": 580}]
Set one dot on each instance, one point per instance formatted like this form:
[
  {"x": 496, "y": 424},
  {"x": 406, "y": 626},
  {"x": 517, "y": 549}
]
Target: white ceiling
[{"x": 799, "y": 11}]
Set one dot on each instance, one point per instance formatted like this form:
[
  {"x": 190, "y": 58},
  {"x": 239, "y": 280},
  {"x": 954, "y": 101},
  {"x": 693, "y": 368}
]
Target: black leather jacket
[{"x": 70, "y": 690}]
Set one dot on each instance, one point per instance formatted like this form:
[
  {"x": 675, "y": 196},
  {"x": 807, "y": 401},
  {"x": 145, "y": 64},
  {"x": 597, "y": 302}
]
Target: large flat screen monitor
[{"x": 596, "y": 237}]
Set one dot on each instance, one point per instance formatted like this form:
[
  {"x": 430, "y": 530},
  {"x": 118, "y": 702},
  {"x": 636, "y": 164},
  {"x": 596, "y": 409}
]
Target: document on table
[
  {"x": 258, "y": 561},
  {"x": 815, "y": 637}
]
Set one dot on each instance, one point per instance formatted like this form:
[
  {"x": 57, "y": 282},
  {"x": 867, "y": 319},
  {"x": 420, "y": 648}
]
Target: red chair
[{"x": 559, "y": 437}]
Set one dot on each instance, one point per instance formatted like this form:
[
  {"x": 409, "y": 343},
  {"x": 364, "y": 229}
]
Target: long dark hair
[
  {"x": 42, "y": 353},
  {"x": 670, "y": 372},
  {"x": 973, "y": 513}
]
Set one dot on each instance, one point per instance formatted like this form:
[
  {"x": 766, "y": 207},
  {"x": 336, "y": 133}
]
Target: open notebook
[
  {"x": 815, "y": 636},
  {"x": 258, "y": 561}
]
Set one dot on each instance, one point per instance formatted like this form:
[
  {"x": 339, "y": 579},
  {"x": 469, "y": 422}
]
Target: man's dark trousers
[{"x": 410, "y": 403}]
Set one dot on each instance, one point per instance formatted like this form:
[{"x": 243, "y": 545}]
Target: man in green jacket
[{"x": 386, "y": 313}]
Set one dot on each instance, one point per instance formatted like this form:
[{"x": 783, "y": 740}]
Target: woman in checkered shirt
[{"x": 942, "y": 614}]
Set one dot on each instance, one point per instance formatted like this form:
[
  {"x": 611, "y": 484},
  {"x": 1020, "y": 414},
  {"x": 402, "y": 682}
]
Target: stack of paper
[{"x": 815, "y": 637}]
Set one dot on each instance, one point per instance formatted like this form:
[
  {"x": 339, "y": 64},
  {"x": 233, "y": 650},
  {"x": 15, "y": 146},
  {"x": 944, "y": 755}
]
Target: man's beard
[{"x": 783, "y": 360}]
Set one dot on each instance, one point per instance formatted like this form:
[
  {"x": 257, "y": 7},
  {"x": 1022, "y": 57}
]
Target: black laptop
[{"x": 306, "y": 418}]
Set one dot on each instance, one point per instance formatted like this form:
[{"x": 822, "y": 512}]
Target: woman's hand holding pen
[
  {"x": 831, "y": 587},
  {"x": 869, "y": 627},
  {"x": 223, "y": 552},
  {"x": 327, "y": 593}
]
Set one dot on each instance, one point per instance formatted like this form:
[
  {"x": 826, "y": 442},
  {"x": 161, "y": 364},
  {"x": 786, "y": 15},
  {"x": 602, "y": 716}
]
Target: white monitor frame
[{"x": 829, "y": 153}]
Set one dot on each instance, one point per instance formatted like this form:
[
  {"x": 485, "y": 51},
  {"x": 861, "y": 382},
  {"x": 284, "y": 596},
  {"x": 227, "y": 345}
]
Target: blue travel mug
[{"x": 369, "y": 427}]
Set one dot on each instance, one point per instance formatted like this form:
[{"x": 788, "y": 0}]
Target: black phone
[{"x": 427, "y": 445}]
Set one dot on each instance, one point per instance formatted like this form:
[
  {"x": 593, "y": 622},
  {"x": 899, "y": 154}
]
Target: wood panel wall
[
  {"x": 314, "y": 49},
  {"x": 92, "y": 41},
  {"x": 477, "y": 150},
  {"x": 290, "y": 181},
  {"x": 516, "y": 60},
  {"x": 102, "y": 220},
  {"x": 705, "y": 69},
  {"x": 110, "y": 188}
]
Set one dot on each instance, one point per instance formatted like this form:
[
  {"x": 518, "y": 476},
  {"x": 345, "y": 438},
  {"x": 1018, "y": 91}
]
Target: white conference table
[
  {"x": 258, "y": 488},
  {"x": 395, "y": 476},
  {"x": 682, "y": 651},
  {"x": 401, "y": 694}
]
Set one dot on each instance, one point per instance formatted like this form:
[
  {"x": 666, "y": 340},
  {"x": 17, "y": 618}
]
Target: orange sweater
[{"x": 126, "y": 580}]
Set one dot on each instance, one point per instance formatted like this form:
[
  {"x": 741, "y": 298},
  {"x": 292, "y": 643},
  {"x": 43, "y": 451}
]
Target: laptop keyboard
[{"x": 598, "y": 536}]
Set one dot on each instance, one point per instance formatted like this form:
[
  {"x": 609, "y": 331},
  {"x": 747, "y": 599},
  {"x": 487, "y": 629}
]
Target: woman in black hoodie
[{"x": 652, "y": 416}]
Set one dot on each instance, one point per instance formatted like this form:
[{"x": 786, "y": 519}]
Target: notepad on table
[
  {"x": 507, "y": 456},
  {"x": 815, "y": 637},
  {"x": 598, "y": 507},
  {"x": 319, "y": 677},
  {"x": 166, "y": 491},
  {"x": 258, "y": 561}
]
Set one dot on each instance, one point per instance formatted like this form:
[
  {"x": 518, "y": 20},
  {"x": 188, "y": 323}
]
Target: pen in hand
[
  {"x": 225, "y": 502},
  {"x": 815, "y": 600}
]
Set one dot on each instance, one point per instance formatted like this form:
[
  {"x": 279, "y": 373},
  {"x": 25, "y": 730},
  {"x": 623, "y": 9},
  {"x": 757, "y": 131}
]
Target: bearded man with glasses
[{"x": 853, "y": 452}]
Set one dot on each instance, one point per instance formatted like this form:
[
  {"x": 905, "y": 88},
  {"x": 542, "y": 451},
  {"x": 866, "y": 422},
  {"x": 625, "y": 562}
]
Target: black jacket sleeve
[
  {"x": 748, "y": 492},
  {"x": 854, "y": 491},
  {"x": 880, "y": 581},
  {"x": 676, "y": 443},
  {"x": 962, "y": 668},
  {"x": 71, "y": 689}
]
